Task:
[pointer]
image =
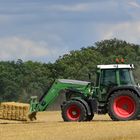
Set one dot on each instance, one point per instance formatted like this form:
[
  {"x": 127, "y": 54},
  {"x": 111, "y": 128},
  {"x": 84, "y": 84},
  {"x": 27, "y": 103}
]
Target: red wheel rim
[
  {"x": 73, "y": 112},
  {"x": 124, "y": 106}
]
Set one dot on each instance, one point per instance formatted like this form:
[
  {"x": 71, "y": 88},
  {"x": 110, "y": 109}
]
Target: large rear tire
[
  {"x": 123, "y": 105},
  {"x": 73, "y": 111}
]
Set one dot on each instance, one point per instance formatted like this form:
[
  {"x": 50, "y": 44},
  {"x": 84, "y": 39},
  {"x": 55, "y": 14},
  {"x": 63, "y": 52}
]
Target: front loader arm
[{"x": 50, "y": 96}]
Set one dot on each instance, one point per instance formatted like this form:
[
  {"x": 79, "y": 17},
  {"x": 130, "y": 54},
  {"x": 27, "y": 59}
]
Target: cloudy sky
[{"x": 43, "y": 30}]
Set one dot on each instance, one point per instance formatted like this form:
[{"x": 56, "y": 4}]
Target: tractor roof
[{"x": 116, "y": 66}]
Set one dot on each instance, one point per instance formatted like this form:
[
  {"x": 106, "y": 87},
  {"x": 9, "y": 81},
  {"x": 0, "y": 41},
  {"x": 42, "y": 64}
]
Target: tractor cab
[
  {"x": 116, "y": 74},
  {"x": 111, "y": 76}
]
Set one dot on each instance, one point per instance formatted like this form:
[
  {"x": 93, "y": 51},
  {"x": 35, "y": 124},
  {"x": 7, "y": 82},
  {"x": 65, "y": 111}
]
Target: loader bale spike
[{"x": 32, "y": 116}]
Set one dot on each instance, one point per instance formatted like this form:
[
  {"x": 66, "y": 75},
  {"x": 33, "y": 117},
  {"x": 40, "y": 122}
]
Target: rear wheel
[
  {"x": 123, "y": 105},
  {"x": 73, "y": 111}
]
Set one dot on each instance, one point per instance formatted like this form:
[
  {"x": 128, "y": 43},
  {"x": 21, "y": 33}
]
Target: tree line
[{"x": 19, "y": 80}]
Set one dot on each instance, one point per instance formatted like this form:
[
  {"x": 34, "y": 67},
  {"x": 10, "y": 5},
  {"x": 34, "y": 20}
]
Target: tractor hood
[{"x": 76, "y": 82}]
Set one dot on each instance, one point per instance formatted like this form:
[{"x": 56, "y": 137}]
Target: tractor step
[{"x": 101, "y": 108}]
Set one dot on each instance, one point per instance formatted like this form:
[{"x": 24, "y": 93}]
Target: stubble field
[{"x": 50, "y": 126}]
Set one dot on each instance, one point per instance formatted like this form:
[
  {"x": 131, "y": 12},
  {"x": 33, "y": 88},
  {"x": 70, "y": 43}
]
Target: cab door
[{"x": 107, "y": 81}]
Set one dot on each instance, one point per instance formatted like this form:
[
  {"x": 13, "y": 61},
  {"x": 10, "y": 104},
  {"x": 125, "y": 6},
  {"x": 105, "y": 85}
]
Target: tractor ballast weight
[{"x": 115, "y": 93}]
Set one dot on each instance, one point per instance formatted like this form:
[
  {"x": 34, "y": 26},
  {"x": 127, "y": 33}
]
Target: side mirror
[
  {"x": 89, "y": 76},
  {"x": 90, "y": 80}
]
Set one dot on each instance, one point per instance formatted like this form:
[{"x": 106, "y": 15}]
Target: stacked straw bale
[{"x": 14, "y": 111}]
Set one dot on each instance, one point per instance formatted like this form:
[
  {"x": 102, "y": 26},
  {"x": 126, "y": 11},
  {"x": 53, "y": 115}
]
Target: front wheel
[
  {"x": 123, "y": 105},
  {"x": 73, "y": 111}
]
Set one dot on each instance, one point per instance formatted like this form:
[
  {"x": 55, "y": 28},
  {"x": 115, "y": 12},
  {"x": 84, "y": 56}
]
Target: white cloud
[
  {"x": 80, "y": 7},
  {"x": 15, "y": 48},
  {"x": 134, "y": 4},
  {"x": 129, "y": 31}
]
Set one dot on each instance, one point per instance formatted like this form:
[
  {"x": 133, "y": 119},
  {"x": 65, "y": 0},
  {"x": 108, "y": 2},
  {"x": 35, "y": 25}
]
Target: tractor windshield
[{"x": 126, "y": 77}]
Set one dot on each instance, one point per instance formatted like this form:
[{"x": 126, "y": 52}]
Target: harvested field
[{"x": 50, "y": 126}]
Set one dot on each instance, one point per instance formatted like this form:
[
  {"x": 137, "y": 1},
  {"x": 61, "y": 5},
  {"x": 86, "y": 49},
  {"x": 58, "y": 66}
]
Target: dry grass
[{"x": 50, "y": 126}]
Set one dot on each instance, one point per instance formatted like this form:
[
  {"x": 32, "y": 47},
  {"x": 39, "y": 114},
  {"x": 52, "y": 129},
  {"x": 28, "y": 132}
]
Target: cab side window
[
  {"x": 125, "y": 76},
  {"x": 108, "y": 77}
]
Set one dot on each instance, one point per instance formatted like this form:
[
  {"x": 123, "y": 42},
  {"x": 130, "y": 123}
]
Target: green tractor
[{"x": 114, "y": 92}]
